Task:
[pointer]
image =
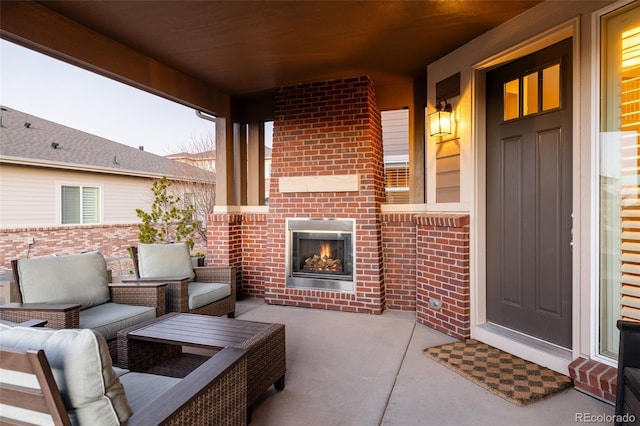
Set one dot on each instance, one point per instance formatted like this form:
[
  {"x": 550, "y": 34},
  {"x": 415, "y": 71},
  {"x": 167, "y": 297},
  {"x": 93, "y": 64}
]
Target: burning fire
[
  {"x": 323, "y": 262},
  {"x": 325, "y": 251}
]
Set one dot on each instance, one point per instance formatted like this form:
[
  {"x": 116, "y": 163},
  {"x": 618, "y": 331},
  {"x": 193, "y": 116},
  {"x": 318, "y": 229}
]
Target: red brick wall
[
  {"x": 328, "y": 128},
  {"x": 594, "y": 378},
  {"x": 399, "y": 255},
  {"x": 442, "y": 272},
  {"x": 110, "y": 240},
  {"x": 398, "y": 250},
  {"x": 224, "y": 242},
  {"x": 255, "y": 256}
]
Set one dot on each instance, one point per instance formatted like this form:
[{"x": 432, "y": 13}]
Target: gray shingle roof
[{"x": 27, "y": 139}]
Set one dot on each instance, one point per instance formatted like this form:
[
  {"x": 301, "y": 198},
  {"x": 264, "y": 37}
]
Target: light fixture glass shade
[{"x": 440, "y": 123}]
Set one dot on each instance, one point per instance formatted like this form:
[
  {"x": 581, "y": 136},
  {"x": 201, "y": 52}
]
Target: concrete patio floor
[{"x": 357, "y": 369}]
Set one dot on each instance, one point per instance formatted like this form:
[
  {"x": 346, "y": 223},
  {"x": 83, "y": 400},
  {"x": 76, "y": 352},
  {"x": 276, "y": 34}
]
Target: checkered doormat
[{"x": 514, "y": 379}]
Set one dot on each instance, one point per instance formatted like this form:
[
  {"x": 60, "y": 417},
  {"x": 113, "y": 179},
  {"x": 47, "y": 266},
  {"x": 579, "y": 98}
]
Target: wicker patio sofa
[
  {"x": 71, "y": 380},
  {"x": 74, "y": 291},
  {"x": 628, "y": 388},
  {"x": 207, "y": 290}
]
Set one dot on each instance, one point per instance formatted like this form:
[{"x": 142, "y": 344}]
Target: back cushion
[
  {"x": 165, "y": 260},
  {"x": 77, "y": 278},
  {"x": 82, "y": 368}
]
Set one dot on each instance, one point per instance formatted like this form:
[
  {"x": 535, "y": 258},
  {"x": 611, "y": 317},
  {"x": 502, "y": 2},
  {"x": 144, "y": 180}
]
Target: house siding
[
  {"x": 395, "y": 134},
  {"x": 28, "y": 195},
  {"x": 29, "y": 208}
]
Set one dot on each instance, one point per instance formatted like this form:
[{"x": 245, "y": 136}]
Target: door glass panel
[
  {"x": 619, "y": 174},
  {"x": 511, "y": 100},
  {"x": 530, "y": 94},
  {"x": 551, "y": 87}
]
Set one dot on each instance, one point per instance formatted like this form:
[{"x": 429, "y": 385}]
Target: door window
[
  {"x": 540, "y": 93},
  {"x": 511, "y": 100}
]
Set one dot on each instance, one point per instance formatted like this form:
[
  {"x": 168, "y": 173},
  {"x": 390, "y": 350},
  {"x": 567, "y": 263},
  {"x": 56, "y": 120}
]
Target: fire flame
[{"x": 325, "y": 251}]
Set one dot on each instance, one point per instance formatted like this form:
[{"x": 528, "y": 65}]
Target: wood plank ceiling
[{"x": 241, "y": 48}]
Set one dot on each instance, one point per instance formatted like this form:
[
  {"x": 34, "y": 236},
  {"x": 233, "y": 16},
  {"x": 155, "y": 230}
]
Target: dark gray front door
[{"x": 529, "y": 195}]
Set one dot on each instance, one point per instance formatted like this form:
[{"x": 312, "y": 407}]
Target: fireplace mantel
[{"x": 321, "y": 183}]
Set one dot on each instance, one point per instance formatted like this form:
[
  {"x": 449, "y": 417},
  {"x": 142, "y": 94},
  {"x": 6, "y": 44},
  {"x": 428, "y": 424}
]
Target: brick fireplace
[
  {"x": 320, "y": 253},
  {"x": 327, "y": 163}
]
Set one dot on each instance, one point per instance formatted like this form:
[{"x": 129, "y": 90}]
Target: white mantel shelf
[{"x": 323, "y": 183}]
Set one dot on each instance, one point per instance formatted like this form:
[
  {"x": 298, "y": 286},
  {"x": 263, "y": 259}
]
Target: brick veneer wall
[
  {"x": 399, "y": 254},
  {"x": 442, "y": 272},
  {"x": 110, "y": 240},
  {"x": 328, "y": 128},
  {"x": 594, "y": 378},
  {"x": 224, "y": 242},
  {"x": 255, "y": 257}
]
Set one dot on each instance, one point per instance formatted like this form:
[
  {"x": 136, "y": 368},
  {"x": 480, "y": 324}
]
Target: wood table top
[{"x": 199, "y": 330}]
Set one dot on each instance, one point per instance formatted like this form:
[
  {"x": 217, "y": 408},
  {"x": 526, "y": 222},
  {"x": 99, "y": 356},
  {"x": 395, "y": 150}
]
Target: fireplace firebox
[{"x": 320, "y": 254}]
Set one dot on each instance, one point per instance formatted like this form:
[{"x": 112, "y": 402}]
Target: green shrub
[{"x": 168, "y": 221}]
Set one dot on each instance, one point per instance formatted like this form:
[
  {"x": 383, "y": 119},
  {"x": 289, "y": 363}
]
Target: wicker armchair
[
  {"x": 628, "y": 387},
  {"x": 86, "y": 390},
  {"x": 172, "y": 264},
  {"x": 45, "y": 284}
]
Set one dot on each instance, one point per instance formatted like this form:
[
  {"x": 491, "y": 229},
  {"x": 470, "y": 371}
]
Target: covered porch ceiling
[{"x": 227, "y": 57}]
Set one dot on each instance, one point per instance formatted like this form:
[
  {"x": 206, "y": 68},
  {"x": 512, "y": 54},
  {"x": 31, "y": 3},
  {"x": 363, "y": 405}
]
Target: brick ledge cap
[{"x": 453, "y": 220}]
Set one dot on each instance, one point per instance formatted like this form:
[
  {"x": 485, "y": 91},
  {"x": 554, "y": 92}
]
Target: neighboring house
[
  {"x": 62, "y": 182},
  {"x": 207, "y": 160},
  {"x": 395, "y": 142}
]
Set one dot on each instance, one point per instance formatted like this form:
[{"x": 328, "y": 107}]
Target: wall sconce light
[{"x": 440, "y": 120}]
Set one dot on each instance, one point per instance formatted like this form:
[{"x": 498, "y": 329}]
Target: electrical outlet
[
  {"x": 435, "y": 303},
  {"x": 30, "y": 240}
]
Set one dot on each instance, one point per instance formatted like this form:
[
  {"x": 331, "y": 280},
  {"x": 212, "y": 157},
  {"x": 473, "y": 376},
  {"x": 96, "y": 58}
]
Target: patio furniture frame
[
  {"x": 67, "y": 315},
  {"x": 264, "y": 342},
  {"x": 178, "y": 293},
  {"x": 213, "y": 393}
]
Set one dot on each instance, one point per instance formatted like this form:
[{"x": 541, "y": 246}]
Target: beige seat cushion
[
  {"x": 201, "y": 294},
  {"x": 78, "y": 278},
  {"x": 82, "y": 368},
  {"x": 109, "y": 318},
  {"x": 165, "y": 260}
]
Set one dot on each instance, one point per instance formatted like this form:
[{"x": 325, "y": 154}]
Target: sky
[{"x": 39, "y": 85}]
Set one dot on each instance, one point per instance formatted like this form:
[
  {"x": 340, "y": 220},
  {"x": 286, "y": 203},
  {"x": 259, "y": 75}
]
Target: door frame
[{"x": 518, "y": 344}]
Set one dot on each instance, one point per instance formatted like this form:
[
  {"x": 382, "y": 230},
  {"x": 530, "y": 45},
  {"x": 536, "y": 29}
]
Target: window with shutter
[
  {"x": 80, "y": 204},
  {"x": 90, "y": 205},
  {"x": 395, "y": 142},
  {"x": 397, "y": 183},
  {"x": 70, "y": 204},
  {"x": 630, "y": 205},
  {"x": 619, "y": 174}
]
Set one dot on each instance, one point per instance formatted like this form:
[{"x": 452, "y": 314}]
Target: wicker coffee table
[{"x": 150, "y": 343}]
